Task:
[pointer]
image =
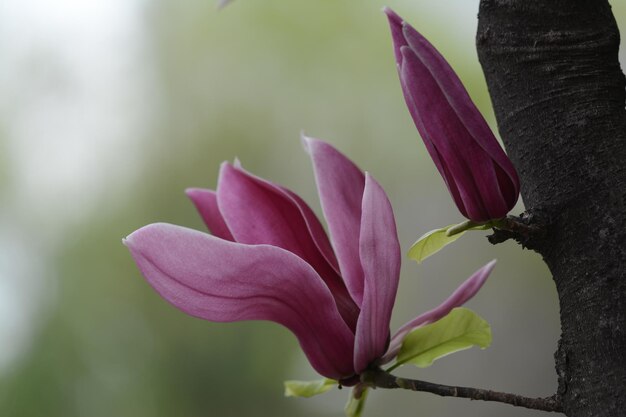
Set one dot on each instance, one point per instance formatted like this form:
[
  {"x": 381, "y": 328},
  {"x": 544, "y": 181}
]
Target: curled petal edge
[{"x": 460, "y": 296}]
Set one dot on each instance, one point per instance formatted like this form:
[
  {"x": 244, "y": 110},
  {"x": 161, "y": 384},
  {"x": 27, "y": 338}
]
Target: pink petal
[
  {"x": 460, "y": 101},
  {"x": 222, "y": 281},
  {"x": 258, "y": 212},
  {"x": 312, "y": 222},
  {"x": 442, "y": 129},
  {"x": 432, "y": 150},
  {"x": 460, "y": 296},
  {"x": 479, "y": 175},
  {"x": 340, "y": 185},
  {"x": 206, "y": 204},
  {"x": 380, "y": 257},
  {"x": 395, "y": 24}
]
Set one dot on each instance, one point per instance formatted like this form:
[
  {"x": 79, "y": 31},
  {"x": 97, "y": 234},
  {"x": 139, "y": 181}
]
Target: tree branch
[
  {"x": 381, "y": 379},
  {"x": 523, "y": 229}
]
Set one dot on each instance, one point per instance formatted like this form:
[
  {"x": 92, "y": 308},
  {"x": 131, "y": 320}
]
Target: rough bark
[{"x": 559, "y": 94}]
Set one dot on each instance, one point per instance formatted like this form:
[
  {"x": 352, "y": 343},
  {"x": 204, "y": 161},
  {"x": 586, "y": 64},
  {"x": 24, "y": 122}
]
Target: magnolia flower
[
  {"x": 477, "y": 172},
  {"x": 269, "y": 258}
]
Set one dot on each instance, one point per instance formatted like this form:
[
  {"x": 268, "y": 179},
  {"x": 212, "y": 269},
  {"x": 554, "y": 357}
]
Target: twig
[
  {"x": 381, "y": 379},
  {"x": 522, "y": 229}
]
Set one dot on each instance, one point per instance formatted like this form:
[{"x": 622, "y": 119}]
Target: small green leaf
[
  {"x": 459, "y": 330},
  {"x": 308, "y": 389},
  {"x": 431, "y": 243},
  {"x": 354, "y": 407},
  {"x": 435, "y": 240}
]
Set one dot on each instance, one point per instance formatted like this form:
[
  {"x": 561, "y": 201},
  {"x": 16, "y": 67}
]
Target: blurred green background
[{"x": 111, "y": 108}]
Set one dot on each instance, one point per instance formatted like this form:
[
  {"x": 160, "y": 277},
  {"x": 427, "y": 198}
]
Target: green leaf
[
  {"x": 355, "y": 406},
  {"x": 431, "y": 243},
  {"x": 459, "y": 330},
  {"x": 435, "y": 240},
  {"x": 308, "y": 389}
]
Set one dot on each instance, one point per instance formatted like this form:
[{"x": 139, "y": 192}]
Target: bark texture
[{"x": 559, "y": 95}]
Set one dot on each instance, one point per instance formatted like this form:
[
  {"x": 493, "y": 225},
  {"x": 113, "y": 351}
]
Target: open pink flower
[
  {"x": 269, "y": 258},
  {"x": 477, "y": 172}
]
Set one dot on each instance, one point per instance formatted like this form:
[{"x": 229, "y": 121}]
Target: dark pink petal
[
  {"x": 460, "y": 101},
  {"x": 470, "y": 167},
  {"x": 477, "y": 172},
  {"x": 206, "y": 204},
  {"x": 315, "y": 228},
  {"x": 222, "y": 281},
  {"x": 432, "y": 150},
  {"x": 380, "y": 257},
  {"x": 312, "y": 222},
  {"x": 460, "y": 296},
  {"x": 258, "y": 212},
  {"x": 340, "y": 185},
  {"x": 395, "y": 23}
]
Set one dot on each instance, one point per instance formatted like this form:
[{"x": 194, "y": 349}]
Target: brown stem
[
  {"x": 523, "y": 229},
  {"x": 382, "y": 379}
]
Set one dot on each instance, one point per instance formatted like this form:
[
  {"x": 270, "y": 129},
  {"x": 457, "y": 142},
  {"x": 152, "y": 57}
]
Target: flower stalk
[{"x": 377, "y": 378}]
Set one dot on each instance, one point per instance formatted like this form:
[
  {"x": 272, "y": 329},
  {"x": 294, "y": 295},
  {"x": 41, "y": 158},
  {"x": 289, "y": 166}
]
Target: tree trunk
[{"x": 559, "y": 95}]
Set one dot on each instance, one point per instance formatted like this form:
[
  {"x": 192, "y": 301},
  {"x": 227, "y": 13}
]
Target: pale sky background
[{"x": 58, "y": 112}]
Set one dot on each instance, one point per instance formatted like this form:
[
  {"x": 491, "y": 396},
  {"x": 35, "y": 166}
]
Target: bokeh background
[{"x": 111, "y": 108}]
